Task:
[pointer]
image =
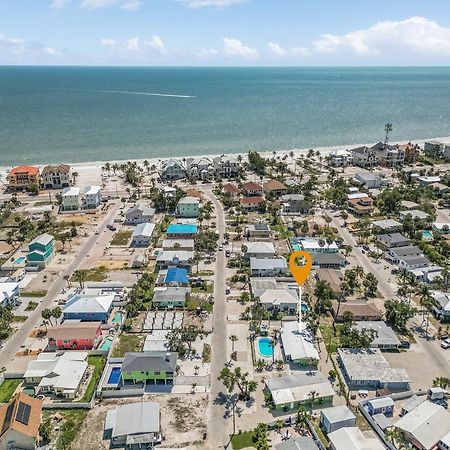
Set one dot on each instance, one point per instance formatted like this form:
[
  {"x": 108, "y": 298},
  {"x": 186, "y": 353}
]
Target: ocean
[{"x": 78, "y": 114}]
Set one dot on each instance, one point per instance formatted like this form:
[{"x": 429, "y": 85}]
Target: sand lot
[{"x": 183, "y": 421}]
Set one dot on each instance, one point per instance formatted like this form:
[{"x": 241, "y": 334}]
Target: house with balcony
[
  {"x": 170, "y": 296},
  {"x": 441, "y": 305},
  {"x": 268, "y": 267},
  {"x": 251, "y": 188},
  {"x": 89, "y": 308},
  {"x": 182, "y": 230},
  {"x": 360, "y": 207},
  {"x": 341, "y": 158},
  {"x": 56, "y": 176},
  {"x": 74, "y": 336},
  {"x": 251, "y": 203},
  {"x": 139, "y": 214},
  {"x": 188, "y": 207},
  {"x": 294, "y": 205},
  {"x": 231, "y": 189},
  {"x": 172, "y": 169},
  {"x": 71, "y": 199},
  {"x": 23, "y": 178},
  {"x": 260, "y": 250},
  {"x": 142, "y": 235},
  {"x": 226, "y": 166},
  {"x": 149, "y": 368},
  {"x": 92, "y": 197},
  {"x": 41, "y": 251},
  {"x": 274, "y": 187},
  {"x": 174, "y": 258},
  {"x": 200, "y": 169},
  {"x": 369, "y": 179},
  {"x": 9, "y": 293},
  {"x": 379, "y": 154}
]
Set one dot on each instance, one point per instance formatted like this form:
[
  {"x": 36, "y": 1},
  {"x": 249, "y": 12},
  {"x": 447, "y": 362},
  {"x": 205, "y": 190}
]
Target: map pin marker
[{"x": 300, "y": 273}]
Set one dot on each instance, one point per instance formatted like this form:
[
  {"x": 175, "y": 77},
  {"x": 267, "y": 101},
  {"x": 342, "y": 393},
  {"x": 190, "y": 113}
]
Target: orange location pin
[{"x": 300, "y": 273}]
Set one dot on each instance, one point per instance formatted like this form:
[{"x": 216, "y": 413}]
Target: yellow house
[{"x": 23, "y": 177}]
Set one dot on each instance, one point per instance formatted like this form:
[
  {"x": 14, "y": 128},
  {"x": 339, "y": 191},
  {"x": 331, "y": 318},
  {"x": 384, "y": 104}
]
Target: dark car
[
  {"x": 404, "y": 344},
  {"x": 111, "y": 227}
]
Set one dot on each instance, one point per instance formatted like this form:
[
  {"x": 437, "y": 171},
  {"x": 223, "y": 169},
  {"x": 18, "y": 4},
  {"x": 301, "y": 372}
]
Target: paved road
[
  {"x": 218, "y": 426},
  {"x": 14, "y": 343},
  {"x": 435, "y": 354}
]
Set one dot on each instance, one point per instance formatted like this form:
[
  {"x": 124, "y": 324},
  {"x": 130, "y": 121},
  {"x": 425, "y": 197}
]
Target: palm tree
[
  {"x": 426, "y": 301},
  {"x": 196, "y": 369},
  {"x": 233, "y": 338}
]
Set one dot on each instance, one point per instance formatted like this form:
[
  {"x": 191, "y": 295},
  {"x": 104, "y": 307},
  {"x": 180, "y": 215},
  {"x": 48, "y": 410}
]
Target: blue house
[
  {"x": 89, "y": 308},
  {"x": 181, "y": 230},
  {"x": 382, "y": 405},
  {"x": 176, "y": 276}
]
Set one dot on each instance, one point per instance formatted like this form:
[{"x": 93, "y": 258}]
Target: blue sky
[{"x": 225, "y": 32}]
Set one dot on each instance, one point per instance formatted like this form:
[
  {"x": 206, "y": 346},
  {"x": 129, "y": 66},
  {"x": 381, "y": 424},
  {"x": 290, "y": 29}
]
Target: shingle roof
[
  {"x": 89, "y": 304},
  {"x": 150, "y": 361},
  {"x": 74, "y": 330},
  {"x": 65, "y": 168}
]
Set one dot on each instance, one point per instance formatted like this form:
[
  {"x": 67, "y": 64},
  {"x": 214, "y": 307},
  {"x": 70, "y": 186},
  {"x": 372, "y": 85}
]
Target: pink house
[{"x": 74, "y": 335}]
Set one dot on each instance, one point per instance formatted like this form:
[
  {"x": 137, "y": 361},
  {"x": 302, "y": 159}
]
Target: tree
[
  {"x": 236, "y": 378},
  {"x": 56, "y": 312},
  {"x": 80, "y": 276},
  {"x": 47, "y": 314},
  {"x": 442, "y": 382},
  {"x": 45, "y": 429},
  {"x": 324, "y": 294},
  {"x": 370, "y": 285},
  {"x": 398, "y": 313},
  {"x": 6, "y": 318},
  {"x": 259, "y": 437},
  {"x": 351, "y": 337},
  {"x": 233, "y": 339}
]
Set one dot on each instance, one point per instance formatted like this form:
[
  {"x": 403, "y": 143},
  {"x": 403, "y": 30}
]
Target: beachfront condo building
[
  {"x": 56, "y": 177},
  {"x": 172, "y": 169},
  {"x": 23, "y": 178},
  {"x": 380, "y": 154},
  {"x": 226, "y": 166},
  {"x": 41, "y": 251}
]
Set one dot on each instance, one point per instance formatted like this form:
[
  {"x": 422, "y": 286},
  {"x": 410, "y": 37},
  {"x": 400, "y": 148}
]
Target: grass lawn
[
  {"x": 127, "y": 343},
  {"x": 72, "y": 424},
  {"x": 121, "y": 238},
  {"x": 37, "y": 293},
  {"x": 331, "y": 341},
  {"x": 96, "y": 274},
  {"x": 208, "y": 289},
  {"x": 19, "y": 318},
  {"x": 193, "y": 303},
  {"x": 242, "y": 440},
  {"x": 31, "y": 306},
  {"x": 7, "y": 389},
  {"x": 98, "y": 362}
]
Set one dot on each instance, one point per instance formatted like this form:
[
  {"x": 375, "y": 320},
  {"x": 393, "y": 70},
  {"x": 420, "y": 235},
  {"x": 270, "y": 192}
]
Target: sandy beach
[{"x": 90, "y": 172}]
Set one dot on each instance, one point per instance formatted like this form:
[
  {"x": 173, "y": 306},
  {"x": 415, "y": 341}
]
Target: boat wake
[{"x": 151, "y": 94}]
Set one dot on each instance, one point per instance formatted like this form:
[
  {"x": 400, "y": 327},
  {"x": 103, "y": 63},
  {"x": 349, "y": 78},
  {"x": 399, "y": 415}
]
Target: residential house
[
  {"x": 170, "y": 296},
  {"x": 41, "y": 250},
  {"x": 181, "y": 230},
  {"x": 74, "y": 336},
  {"x": 178, "y": 244},
  {"x": 441, "y": 305},
  {"x": 138, "y": 261},
  {"x": 175, "y": 276},
  {"x": 379, "y": 154},
  {"x": 139, "y": 214},
  {"x": 134, "y": 425},
  {"x": 231, "y": 189},
  {"x": 341, "y": 158},
  {"x": 332, "y": 419},
  {"x": 260, "y": 250},
  {"x": 174, "y": 258},
  {"x": 360, "y": 206},
  {"x": 274, "y": 187},
  {"x": 252, "y": 189},
  {"x": 19, "y": 422},
  {"x": 293, "y": 391},
  {"x": 153, "y": 368},
  {"x": 347, "y": 438},
  {"x": 9, "y": 293},
  {"x": 441, "y": 227},
  {"x": 58, "y": 374},
  {"x": 368, "y": 369},
  {"x": 226, "y": 166},
  {"x": 56, "y": 177},
  {"x": 299, "y": 344},
  {"x": 444, "y": 442},
  {"x": 297, "y": 443},
  {"x": 294, "y": 204},
  {"x": 409, "y": 257},
  {"x": 200, "y": 169},
  {"x": 434, "y": 149},
  {"x": 385, "y": 337},
  {"x": 328, "y": 261},
  {"x": 89, "y": 308},
  {"x": 359, "y": 310},
  {"x": 188, "y": 207},
  {"x": 71, "y": 199},
  {"x": 92, "y": 197},
  {"x": 284, "y": 300},
  {"x": 381, "y": 405},
  {"x": 142, "y": 235},
  {"x": 259, "y": 285},
  {"x": 172, "y": 169},
  {"x": 23, "y": 178},
  {"x": 251, "y": 203},
  {"x": 369, "y": 179},
  {"x": 428, "y": 180},
  {"x": 258, "y": 231},
  {"x": 408, "y": 205},
  {"x": 387, "y": 225},
  {"x": 332, "y": 277},
  {"x": 268, "y": 267},
  {"x": 415, "y": 214},
  {"x": 424, "y": 426},
  {"x": 440, "y": 188},
  {"x": 393, "y": 240},
  {"x": 313, "y": 245}
]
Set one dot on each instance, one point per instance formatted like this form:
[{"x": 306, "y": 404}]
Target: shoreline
[{"x": 90, "y": 169}]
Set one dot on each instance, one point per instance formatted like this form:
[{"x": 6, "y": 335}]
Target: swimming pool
[
  {"x": 106, "y": 344},
  {"x": 305, "y": 308},
  {"x": 114, "y": 376},
  {"x": 427, "y": 234},
  {"x": 20, "y": 260},
  {"x": 296, "y": 247},
  {"x": 265, "y": 347},
  {"x": 29, "y": 390},
  {"x": 117, "y": 317}
]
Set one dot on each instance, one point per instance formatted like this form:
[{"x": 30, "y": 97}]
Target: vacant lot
[
  {"x": 128, "y": 343},
  {"x": 121, "y": 238}
]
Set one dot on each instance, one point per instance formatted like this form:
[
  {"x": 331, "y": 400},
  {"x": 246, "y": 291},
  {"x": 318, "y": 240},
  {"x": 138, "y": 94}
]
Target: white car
[{"x": 445, "y": 344}]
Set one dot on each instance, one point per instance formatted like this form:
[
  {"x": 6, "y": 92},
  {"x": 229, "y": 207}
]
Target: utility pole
[{"x": 387, "y": 128}]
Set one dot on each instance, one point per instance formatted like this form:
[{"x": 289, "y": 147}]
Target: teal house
[
  {"x": 149, "y": 368},
  {"x": 41, "y": 250}
]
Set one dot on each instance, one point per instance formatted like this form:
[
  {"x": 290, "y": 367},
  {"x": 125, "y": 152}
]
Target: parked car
[
  {"x": 366, "y": 248},
  {"x": 445, "y": 344},
  {"x": 220, "y": 248},
  {"x": 228, "y": 253},
  {"x": 111, "y": 227},
  {"x": 404, "y": 344},
  {"x": 227, "y": 290}
]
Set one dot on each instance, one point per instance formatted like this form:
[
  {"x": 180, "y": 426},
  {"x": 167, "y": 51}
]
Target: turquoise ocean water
[{"x": 76, "y": 114}]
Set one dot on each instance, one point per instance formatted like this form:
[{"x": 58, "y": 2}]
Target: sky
[{"x": 225, "y": 32}]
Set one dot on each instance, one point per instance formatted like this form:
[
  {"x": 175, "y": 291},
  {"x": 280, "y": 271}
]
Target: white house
[
  {"x": 92, "y": 197},
  {"x": 172, "y": 169},
  {"x": 56, "y": 177},
  {"x": 332, "y": 419},
  {"x": 188, "y": 207},
  {"x": 226, "y": 166},
  {"x": 202, "y": 168},
  {"x": 347, "y": 438},
  {"x": 268, "y": 267},
  {"x": 9, "y": 293},
  {"x": 139, "y": 214},
  {"x": 142, "y": 235},
  {"x": 260, "y": 250},
  {"x": 71, "y": 199}
]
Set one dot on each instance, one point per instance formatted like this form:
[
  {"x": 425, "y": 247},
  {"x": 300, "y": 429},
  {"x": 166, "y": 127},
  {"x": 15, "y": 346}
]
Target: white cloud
[
  {"x": 20, "y": 50},
  {"x": 134, "y": 47},
  {"x": 195, "y": 4},
  {"x": 276, "y": 49},
  {"x": 207, "y": 53},
  {"x": 417, "y": 36},
  {"x": 129, "y": 5},
  {"x": 235, "y": 48}
]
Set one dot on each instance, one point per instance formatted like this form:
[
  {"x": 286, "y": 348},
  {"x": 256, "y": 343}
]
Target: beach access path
[
  {"x": 217, "y": 423},
  {"x": 13, "y": 345}
]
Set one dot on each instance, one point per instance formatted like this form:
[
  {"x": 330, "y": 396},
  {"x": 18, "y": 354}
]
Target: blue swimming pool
[
  {"x": 427, "y": 234},
  {"x": 305, "y": 308},
  {"x": 20, "y": 260},
  {"x": 114, "y": 376},
  {"x": 106, "y": 344},
  {"x": 265, "y": 347},
  {"x": 117, "y": 317}
]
